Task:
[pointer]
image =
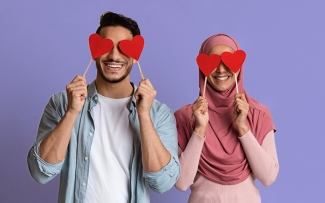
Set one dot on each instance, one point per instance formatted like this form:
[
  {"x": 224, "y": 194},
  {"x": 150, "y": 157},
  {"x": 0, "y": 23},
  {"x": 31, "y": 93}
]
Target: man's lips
[{"x": 114, "y": 66}]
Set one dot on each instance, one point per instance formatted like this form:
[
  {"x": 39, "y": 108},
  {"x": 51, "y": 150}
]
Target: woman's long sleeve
[
  {"x": 189, "y": 160},
  {"x": 263, "y": 158}
]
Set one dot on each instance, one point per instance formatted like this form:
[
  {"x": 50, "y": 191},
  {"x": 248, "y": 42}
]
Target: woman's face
[{"x": 222, "y": 77}]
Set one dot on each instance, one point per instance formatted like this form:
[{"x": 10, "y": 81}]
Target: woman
[{"x": 226, "y": 140}]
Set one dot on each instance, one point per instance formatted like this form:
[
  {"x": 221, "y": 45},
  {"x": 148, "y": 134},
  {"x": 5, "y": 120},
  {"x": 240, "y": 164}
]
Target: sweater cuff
[
  {"x": 198, "y": 136},
  {"x": 247, "y": 137}
]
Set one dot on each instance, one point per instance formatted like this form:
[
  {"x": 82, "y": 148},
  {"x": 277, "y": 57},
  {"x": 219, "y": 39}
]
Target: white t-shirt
[{"x": 110, "y": 155}]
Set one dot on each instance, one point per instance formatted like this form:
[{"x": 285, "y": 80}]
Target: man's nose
[{"x": 114, "y": 54}]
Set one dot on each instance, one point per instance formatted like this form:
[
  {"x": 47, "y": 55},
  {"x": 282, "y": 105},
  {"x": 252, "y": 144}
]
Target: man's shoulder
[
  {"x": 160, "y": 112},
  {"x": 159, "y": 106},
  {"x": 60, "y": 97},
  {"x": 58, "y": 101}
]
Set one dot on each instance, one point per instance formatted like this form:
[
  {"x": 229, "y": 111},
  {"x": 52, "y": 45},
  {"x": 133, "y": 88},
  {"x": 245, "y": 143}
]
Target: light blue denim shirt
[{"x": 74, "y": 168}]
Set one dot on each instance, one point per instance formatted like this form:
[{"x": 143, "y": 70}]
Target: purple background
[{"x": 44, "y": 44}]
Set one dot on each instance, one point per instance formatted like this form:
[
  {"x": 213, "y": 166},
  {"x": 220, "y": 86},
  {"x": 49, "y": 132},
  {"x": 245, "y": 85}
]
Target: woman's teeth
[{"x": 223, "y": 78}]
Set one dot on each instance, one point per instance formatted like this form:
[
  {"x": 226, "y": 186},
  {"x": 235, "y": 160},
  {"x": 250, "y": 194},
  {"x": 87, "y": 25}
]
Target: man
[{"x": 111, "y": 139}]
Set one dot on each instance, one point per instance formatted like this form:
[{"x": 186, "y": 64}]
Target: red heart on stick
[
  {"x": 207, "y": 63},
  {"x": 99, "y": 46},
  {"x": 132, "y": 48},
  {"x": 233, "y": 61}
]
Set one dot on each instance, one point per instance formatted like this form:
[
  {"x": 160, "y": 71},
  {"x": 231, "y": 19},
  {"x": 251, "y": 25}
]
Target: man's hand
[
  {"x": 54, "y": 147},
  {"x": 145, "y": 95},
  {"x": 76, "y": 92}
]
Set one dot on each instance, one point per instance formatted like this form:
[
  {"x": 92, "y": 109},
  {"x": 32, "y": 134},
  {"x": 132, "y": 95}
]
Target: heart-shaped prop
[
  {"x": 233, "y": 61},
  {"x": 99, "y": 46},
  {"x": 132, "y": 48},
  {"x": 207, "y": 63}
]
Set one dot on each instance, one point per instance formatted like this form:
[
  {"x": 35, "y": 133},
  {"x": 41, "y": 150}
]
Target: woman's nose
[{"x": 222, "y": 68}]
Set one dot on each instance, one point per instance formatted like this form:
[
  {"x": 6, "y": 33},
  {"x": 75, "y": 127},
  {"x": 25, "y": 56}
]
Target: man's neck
[{"x": 118, "y": 90}]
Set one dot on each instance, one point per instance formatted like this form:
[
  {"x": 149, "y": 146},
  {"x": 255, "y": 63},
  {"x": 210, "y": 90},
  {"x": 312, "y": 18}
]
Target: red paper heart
[
  {"x": 132, "y": 48},
  {"x": 233, "y": 61},
  {"x": 207, "y": 63},
  {"x": 99, "y": 46}
]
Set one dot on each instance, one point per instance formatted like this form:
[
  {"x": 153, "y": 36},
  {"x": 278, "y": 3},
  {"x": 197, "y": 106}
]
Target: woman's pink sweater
[{"x": 262, "y": 160}]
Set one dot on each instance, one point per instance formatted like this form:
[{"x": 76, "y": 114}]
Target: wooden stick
[
  {"x": 91, "y": 60},
  {"x": 140, "y": 70},
  {"x": 236, "y": 83},
  {"x": 205, "y": 85}
]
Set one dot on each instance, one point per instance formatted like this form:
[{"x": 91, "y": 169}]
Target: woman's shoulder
[
  {"x": 254, "y": 105},
  {"x": 184, "y": 113},
  {"x": 184, "y": 110},
  {"x": 260, "y": 113}
]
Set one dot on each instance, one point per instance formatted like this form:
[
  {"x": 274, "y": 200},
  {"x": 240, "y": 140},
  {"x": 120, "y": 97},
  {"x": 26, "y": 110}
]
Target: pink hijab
[{"x": 223, "y": 159}]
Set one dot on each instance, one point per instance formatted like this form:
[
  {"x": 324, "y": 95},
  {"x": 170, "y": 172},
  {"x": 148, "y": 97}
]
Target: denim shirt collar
[{"x": 93, "y": 95}]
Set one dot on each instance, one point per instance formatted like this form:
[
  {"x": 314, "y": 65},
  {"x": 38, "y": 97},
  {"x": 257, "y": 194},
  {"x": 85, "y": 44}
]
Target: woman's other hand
[{"x": 241, "y": 108}]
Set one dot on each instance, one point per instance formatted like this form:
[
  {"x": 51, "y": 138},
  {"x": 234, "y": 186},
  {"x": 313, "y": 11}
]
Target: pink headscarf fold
[{"x": 223, "y": 159}]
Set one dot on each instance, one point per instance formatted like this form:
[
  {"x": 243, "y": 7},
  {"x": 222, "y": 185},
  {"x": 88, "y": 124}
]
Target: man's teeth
[
  {"x": 223, "y": 78},
  {"x": 114, "y": 66}
]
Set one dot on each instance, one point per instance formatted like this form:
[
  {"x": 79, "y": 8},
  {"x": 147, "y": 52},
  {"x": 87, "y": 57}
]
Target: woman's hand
[
  {"x": 241, "y": 108},
  {"x": 200, "y": 112}
]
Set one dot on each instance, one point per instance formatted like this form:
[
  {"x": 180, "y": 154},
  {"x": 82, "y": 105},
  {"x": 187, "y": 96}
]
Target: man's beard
[{"x": 100, "y": 71}]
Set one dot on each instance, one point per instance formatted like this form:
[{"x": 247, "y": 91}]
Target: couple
[{"x": 111, "y": 139}]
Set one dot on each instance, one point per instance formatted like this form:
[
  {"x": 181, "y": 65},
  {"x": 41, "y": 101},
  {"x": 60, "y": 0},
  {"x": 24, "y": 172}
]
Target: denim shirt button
[
  {"x": 90, "y": 134},
  {"x": 86, "y": 158},
  {"x": 83, "y": 184}
]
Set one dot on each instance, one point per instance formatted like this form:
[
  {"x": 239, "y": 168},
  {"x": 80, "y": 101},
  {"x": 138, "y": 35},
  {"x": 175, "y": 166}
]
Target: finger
[
  {"x": 242, "y": 103},
  {"x": 244, "y": 97},
  {"x": 143, "y": 93},
  {"x": 78, "y": 88},
  {"x": 236, "y": 109},
  {"x": 200, "y": 99},
  {"x": 76, "y": 85},
  {"x": 145, "y": 85},
  {"x": 200, "y": 103},
  {"x": 147, "y": 91},
  {"x": 199, "y": 110},
  {"x": 147, "y": 82},
  {"x": 238, "y": 106},
  {"x": 240, "y": 96},
  {"x": 137, "y": 96},
  {"x": 79, "y": 94},
  {"x": 143, "y": 82},
  {"x": 78, "y": 78},
  {"x": 202, "y": 108},
  {"x": 143, "y": 89},
  {"x": 243, "y": 109}
]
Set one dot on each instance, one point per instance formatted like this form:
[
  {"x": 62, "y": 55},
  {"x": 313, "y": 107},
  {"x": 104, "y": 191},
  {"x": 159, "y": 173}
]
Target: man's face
[{"x": 114, "y": 66}]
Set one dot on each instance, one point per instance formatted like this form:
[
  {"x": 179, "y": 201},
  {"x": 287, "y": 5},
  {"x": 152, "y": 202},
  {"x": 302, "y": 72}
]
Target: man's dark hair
[{"x": 114, "y": 19}]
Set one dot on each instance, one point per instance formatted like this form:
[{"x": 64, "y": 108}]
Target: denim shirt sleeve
[
  {"x": 40, "y": 170},
  {"x": 166, "y": 177}
]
